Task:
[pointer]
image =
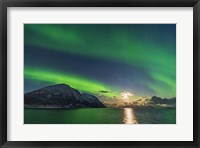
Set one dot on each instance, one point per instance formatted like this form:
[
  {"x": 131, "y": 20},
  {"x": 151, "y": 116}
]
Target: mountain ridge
[{"x": 60, "y": 96}]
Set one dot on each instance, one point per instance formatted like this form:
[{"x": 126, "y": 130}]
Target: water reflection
[{"x": 129, "y": 116}]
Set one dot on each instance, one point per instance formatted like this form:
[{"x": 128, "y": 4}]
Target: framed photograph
[{"x": 99, "y": 73}]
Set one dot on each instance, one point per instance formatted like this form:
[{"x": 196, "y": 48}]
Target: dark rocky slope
[{"x": 60, "y": 96}]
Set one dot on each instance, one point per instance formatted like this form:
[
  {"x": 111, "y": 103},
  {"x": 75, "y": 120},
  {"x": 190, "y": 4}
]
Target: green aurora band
[
  {"x": 151, "y": 55},
  {"x": 82, "y": 84}
]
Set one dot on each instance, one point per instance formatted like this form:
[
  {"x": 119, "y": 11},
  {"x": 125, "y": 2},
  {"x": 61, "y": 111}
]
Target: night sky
[{"x": 102, "y": 59}]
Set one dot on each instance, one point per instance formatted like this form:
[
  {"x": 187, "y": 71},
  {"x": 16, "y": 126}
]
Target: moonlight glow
[{"x": 125, "y": 95}]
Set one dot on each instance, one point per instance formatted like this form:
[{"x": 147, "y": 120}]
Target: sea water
[{"x": 100, "y": 116}]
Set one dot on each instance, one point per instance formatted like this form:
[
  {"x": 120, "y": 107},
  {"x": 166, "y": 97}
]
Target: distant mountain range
[
  {"x": 147, "y": 102},
  {"x": 64, "y": 96},
  {"x": 158, "y": 100},
  {"x": 60, "y": 96}
]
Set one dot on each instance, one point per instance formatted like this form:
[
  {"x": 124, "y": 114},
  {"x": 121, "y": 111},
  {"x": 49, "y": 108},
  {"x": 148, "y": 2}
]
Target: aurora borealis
[{"x": 102, "y": 59}]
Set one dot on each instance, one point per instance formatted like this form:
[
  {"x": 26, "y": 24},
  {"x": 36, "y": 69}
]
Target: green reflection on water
[{"x": 100, "y": 116}]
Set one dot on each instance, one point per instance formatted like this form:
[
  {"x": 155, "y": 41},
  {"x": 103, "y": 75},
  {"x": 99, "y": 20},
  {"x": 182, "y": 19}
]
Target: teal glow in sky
[{"x": 139, "y": 58}]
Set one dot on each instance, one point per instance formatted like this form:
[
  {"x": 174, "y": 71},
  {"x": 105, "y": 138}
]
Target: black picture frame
[{"x": 99, "y": 3}]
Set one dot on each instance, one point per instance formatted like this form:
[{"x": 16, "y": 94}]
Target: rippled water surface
[{"x": 100, "y": 116}]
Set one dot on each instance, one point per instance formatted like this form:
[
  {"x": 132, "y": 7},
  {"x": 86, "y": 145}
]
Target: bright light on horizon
[{"x": 125, "y": 95}]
